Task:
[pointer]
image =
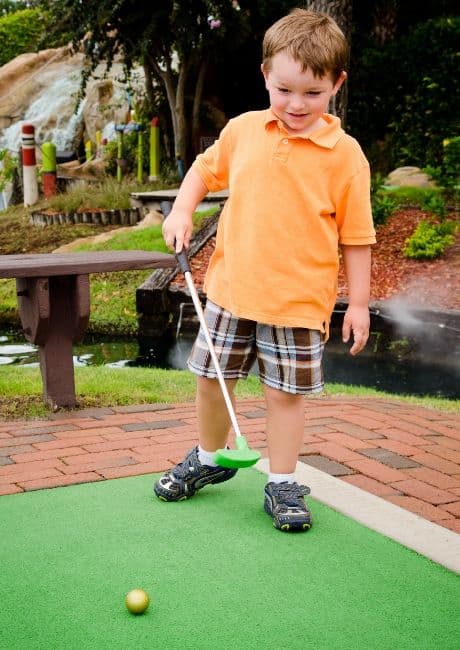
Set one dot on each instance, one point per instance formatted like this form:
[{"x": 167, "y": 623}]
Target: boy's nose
[{"x": 297, "y": 103}]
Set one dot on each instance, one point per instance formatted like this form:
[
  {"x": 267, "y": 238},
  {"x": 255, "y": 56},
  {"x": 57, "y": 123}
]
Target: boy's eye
[
  {"x": 314, "y": 93},
  {"x": 283, "y": 90}
]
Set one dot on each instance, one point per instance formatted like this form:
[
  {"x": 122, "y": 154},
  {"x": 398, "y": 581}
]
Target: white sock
[
  {"x": 280, "y": 478},
  {"x": 206, "y": 457}
]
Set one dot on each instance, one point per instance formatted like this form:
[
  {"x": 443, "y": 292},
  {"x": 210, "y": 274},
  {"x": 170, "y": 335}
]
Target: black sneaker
[
  {"x": 182, "y": 481},
  {"x": 285, "y": 504}
]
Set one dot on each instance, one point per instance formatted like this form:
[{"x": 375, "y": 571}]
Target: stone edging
[{"x": 125, "y": 217}]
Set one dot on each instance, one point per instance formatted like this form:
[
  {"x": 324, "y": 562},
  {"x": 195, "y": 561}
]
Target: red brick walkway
[{"x": 405, "y": 454}]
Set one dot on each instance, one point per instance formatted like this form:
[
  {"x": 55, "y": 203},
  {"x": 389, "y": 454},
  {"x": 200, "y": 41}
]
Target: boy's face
[{"x": 297, "y": 97}]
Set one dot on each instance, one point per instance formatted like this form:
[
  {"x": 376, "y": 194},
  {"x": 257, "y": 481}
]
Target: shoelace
[
  {"x": 290, "y": 494},
  {"x": 182, "y": 470}
]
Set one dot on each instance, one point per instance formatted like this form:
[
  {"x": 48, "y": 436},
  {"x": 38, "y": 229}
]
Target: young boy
[{"x": 298, "y": 188}]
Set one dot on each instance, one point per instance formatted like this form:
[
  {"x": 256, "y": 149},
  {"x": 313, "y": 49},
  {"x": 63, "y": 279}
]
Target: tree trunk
[
  {"x": 181, "y": 121},
  {"x": 341, "y": 12},
  {"x": 149, "y": 81},
  {"x": 197, "y": 104}
]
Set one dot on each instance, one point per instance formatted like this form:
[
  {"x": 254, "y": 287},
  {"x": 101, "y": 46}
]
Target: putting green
[{"x": 217, "y": 572}]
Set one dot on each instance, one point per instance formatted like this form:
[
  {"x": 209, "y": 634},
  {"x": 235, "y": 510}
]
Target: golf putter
[{"x": 242, "y": 456}]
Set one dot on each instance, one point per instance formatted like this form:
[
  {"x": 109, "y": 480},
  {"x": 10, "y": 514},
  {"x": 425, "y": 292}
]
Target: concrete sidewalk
[{"x": 404, "y": 454}]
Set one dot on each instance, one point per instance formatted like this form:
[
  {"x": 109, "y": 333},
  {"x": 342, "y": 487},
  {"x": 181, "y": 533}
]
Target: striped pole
[
  {"x": 29, "y": 165},
  {"x": 49, "y": 175},
  {"x": 154, "y": 150}
]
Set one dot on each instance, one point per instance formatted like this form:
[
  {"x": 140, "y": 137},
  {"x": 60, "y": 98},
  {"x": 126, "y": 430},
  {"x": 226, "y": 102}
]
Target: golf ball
[{"x": 137, "y": 601}]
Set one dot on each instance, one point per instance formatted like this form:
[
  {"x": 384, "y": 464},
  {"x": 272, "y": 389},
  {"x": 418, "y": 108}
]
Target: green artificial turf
[{"x": 218, "y": 574}]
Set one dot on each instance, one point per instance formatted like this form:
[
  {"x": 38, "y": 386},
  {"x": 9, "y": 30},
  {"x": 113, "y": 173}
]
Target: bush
[
  {"x": 22, "y": 31},
  {"x": 447, "y": 174},
  {"x": 404, "y": 95},
  {"x": 429, "y": 240},
  {"x": 383, "y": 205}
]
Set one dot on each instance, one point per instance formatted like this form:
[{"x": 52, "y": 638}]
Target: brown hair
[{"x": 312, "y": 38}]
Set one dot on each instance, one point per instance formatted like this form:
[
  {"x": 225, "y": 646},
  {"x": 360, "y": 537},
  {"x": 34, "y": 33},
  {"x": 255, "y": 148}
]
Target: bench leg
[
  {"x": 69, "y": 315},
  {"x": 54, "y": 314},
  {"x": 56, "y": 366}
]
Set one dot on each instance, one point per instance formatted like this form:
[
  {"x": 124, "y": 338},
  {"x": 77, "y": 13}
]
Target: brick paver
[{"x": 405, "y": 454}]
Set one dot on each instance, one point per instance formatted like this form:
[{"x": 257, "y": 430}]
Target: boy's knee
[
  {"x": 210, "y": 388},
  {"x": 277, "y": 397}
]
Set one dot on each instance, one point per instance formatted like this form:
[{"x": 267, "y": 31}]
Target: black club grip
[{"x": 182, "y": 258}]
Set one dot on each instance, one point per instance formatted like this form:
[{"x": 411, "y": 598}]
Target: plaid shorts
[{"x": 289, "y": 358}]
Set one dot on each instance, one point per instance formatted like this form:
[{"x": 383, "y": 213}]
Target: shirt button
[{"x": 285, "y": 141}]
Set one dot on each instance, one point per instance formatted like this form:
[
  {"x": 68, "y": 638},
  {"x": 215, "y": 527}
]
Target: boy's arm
[
  {"x": 357, "y": 262},
  {"x": 178, "y": 226}
]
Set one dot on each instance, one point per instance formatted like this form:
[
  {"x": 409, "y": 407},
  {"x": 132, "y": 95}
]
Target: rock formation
[{"x": 42, "y": 88}]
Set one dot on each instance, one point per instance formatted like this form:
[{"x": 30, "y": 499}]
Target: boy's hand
[
  {"x": 356, "y": 321},
  {"x": 177, "y": 230}
]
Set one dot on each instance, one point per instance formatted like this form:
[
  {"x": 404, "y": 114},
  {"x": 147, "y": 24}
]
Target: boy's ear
[
  {"x": 264, "y": 71},
  {"x": 339, "y": 82}
]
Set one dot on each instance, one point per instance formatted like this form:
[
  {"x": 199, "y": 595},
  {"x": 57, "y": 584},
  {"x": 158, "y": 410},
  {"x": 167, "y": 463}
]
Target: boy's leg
[
  {"x": 213, "y": 417},
  {"x": 285, "y": 426},
  {"x": 234, "y": 342},
  {"x": 290, "y": 367},
  {"x": 284, "y": 498}
]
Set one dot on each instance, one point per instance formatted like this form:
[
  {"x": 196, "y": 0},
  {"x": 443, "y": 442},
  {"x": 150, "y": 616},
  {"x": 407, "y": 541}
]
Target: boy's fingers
[
  {"x": 346, "y": 331},
  {"x": 359, "y": 341}
]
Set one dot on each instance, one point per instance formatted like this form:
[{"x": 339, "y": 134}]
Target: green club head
[{"x": 240, "y": 457}]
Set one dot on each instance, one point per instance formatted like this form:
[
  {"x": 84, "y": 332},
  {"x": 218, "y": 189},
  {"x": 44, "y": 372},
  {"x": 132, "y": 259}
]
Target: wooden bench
[{"x": 54, "y": 305}]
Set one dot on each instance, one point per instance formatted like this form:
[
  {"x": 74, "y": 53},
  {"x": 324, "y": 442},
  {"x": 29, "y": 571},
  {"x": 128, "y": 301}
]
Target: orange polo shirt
[{"x": 292, "y": 200}]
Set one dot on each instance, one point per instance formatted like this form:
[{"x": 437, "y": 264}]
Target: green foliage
[
  {"x": 429, "y": 240},
  {"x": 435, "y": 205},
  {"x": 404, "y": 95},
  {"x": 8, "y": 165},
  {"x": 107, "y": 194},
  {"x": 129, "y": 153},
  {"x": 448, "y": 172},
  {"x": 382, "y": 204},
  {"x": 22, "y": 31},
  {"x": 407, "y": 195},
  {"x": 383, "y": 207}
]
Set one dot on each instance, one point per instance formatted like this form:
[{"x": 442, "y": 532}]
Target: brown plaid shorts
[{"x": 289, "y": 358}]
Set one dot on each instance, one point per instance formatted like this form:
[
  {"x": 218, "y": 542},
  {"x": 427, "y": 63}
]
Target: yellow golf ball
[{"x": 137, "y": 601}]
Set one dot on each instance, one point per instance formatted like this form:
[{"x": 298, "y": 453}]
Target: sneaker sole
[
  {"x": 287, "y": 526},
  {"x": 164, "y": 496}
]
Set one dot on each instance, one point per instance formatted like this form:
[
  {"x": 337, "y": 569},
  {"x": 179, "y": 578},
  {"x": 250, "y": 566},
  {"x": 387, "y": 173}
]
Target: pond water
[{"x": 406, "y": 365}]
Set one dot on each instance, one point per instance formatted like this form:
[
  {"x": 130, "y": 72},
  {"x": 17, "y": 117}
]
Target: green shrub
[
  {"x": 382, "y": 204},
  {"x": 130, "y": 154},
  {"x": 404, "y": 95},
  {"x": 429, "y": 240},
  {"x": 451, "y": 162},
  {"x": 22, "y": 31},
  {"x": 383, "y": 207},
  {"x": 435, "y": 205}
]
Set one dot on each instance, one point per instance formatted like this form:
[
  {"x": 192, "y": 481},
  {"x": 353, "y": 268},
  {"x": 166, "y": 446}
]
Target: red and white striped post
[{"x": 29, "y": 165}]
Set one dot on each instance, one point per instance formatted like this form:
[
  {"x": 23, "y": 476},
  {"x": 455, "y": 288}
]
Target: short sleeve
[
  {"x": 354, "y": 212},
  {"x": 213, "y": 164}
]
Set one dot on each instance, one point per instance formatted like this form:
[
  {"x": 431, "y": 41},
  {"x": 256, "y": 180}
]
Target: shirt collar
[{"x": 327, "y": 136}]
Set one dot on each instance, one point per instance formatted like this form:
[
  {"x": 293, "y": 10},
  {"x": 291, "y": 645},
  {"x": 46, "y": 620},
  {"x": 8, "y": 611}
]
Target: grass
[{"x": 98, "y": 386}]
